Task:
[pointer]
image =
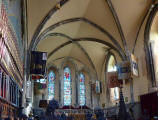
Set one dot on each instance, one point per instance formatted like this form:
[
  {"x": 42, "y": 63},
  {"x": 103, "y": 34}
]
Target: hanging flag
[
  {"x": 134, "y": 66},
  {"x": 93, "y": 86},
  {"x": 98, "y": 86},
  {"x": 39, "y": 85},
  {"x": 124, "y": 70},
  {"x": 38, "y": 63},
  {"x": 112, "y": 78},
  {"x": 44, "y": 86}
]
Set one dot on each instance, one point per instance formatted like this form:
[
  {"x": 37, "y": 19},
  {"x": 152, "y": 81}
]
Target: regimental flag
[
  {"x": 93, "y": 86},
  {"x": 98, "y": 86},
  {"x": 38, "y": 62},
  {"x": 112, "y": 78},
  {"x": 124, "y": 70},
  {"x": 37, "y": 77},
  {"x": 40, "y": 86},
  {"x": 134, "y": 66}
]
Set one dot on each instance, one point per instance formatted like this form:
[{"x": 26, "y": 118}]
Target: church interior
[{"x": 79, "y": 59}]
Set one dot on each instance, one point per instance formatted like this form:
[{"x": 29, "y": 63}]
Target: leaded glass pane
[
  {"x": 67, "y": 86},
  {"x": 82, "y": 90},
  {"x": 51, "y": 85}
]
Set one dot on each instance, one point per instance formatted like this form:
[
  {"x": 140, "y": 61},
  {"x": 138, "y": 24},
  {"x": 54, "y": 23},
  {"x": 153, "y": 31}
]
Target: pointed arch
[
  {"x": 82, "y": 89},
  {"x": 148, "y": 46},
  {"x": 111, "y": 63},
  {"x": 111, "y": 67},
  {"x": 67, "y": 86},
  {"x": 34, "y": 43},
  {"x": 68, "y": 62},
  {"x": 45, "y": 19},
  {"x": 51, "y": 85}
]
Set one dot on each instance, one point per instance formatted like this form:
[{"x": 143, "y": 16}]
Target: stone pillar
[
  {"x": 77, "y": 89},
  {"x": 61, "y": 88},
  {"x": 26, "y": 56}
]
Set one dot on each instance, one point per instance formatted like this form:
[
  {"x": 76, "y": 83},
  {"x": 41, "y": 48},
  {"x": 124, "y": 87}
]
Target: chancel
[{"x": 79, "y": 59}]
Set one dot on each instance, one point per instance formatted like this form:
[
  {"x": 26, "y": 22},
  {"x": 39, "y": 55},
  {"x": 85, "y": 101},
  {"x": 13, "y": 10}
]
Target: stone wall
[{"x": 91, "y": 97}]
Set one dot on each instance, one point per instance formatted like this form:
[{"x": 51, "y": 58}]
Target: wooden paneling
[{"x": 7, "y": 109}]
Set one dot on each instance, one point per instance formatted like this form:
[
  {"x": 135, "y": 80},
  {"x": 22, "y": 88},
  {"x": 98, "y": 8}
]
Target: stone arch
[
  {"x": 34, "y": 43},
  {"x": 74, "y": 72},
  {"x": 88, "y": 81},
  {"x": 109, "y": 91},
  {"x": 149, "y": 59},
  {"x": 52, "y": 67}
]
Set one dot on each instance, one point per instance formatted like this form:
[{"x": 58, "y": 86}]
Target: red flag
[
  {"x": 112, "y": 78},
  {"x": 36, "y": 77}
]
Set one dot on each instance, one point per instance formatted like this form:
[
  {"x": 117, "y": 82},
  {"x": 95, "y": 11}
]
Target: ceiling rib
[
  {"x": 46, "y": 18},
  {"x": 121, "y": 54},
  {"x": 75, "y": 42},
  {"x": 50, "y": 28},
  {"x": 70, "y": 42},
  {"x": 143, "y": 20},
  {"x": 69, "y": 57},
  {"x": 118, "y": 24}
]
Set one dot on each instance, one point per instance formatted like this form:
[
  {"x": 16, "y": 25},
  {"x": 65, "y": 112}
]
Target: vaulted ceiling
[{"x": 83, "y": 29}]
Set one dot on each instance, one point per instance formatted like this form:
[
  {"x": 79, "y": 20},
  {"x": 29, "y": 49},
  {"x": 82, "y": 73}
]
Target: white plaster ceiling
[
  {"x": 130, "y": 14},
  {"x": 51, "y": 43},
  {"x": 36, "y": 11}
]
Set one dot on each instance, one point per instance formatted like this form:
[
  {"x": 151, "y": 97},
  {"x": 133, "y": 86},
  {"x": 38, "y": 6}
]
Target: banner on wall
[
  {"x": 113, "y": 81},
  {"x": 38, "y": 63},
  {"x": 134, "y": 66},
  {"x": 40, "y": 86},
  {"x": 98, "y": 86},
  {"x": 36, "y": 77},
  {"x": 9, "y": 51},
  {"x": 124, "y": 70}
]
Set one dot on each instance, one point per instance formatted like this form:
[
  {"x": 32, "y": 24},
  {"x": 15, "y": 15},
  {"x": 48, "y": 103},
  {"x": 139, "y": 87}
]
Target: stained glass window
[
  {"x": 82, "y": 90},
  {"x": 110, "y": 68},
  {"x": 67, "y": 86},
  {"x": 51, "y": 85}
]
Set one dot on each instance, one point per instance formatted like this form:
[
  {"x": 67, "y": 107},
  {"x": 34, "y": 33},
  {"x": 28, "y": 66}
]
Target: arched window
[
  {"x": 82, "y": 90},
  {"x": 67, "y": 86},
  {"x": 151, "y": 43},
  {"x": 51, "y": 85},
  {"x": 111, "y": 66}
]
